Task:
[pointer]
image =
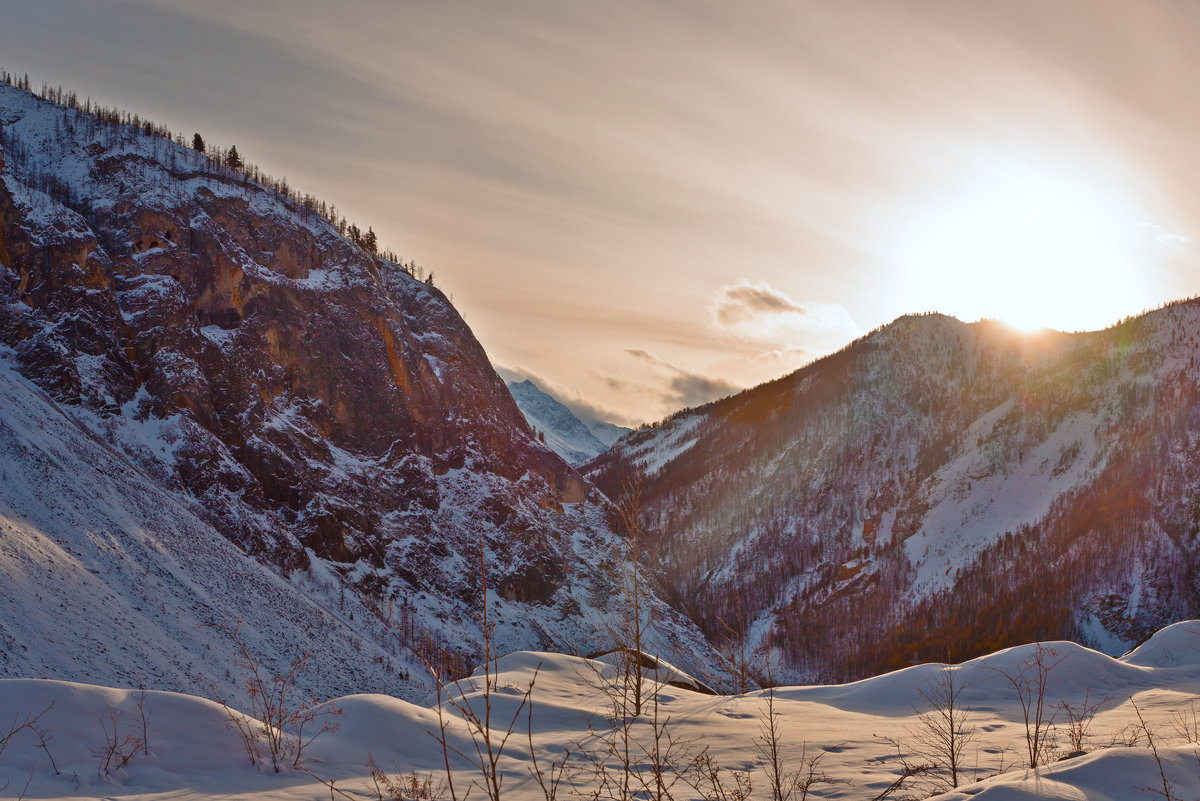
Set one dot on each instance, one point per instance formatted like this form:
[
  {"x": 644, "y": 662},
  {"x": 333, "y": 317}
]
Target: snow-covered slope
[
  {"x": 607, "y": 433},
  {"x": 256, "y": 374},
  {"x": 107, "y": 577},
  {"x": 938, "y": 487},
  {"x": 560, "y": 428},
  {"x": 859, "y": 733}
]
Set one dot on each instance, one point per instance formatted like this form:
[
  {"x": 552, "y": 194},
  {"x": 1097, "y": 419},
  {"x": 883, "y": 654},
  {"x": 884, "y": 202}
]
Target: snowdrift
[{"x": 194, "y": 754}]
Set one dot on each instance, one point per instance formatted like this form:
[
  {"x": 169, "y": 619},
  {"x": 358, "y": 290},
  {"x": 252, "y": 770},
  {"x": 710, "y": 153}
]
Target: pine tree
[
  {"x": 198, "y": 143},
  {"x": 232, "y": 159}
]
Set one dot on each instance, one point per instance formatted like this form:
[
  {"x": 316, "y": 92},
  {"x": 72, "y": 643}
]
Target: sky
[{"x": 647, "y": 205}]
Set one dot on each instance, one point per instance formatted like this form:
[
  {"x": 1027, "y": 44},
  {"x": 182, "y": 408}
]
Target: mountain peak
[{"x": 564, "y": 432}]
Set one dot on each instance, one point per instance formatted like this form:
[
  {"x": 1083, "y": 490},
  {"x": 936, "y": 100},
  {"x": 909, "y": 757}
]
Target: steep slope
[
  {"x": 108, "y": 577},
  {"x": 313, "y": 403},
  {"x": 937, "y": 489},
  {"x": 564, "y": 433}
]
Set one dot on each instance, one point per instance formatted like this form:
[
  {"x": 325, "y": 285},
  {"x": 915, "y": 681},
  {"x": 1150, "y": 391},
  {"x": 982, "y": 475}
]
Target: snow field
[{"x": 194, "y": 755}]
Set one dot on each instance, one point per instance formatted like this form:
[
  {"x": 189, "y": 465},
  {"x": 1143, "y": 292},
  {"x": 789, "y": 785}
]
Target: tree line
[{"x": 217, "y": 160}]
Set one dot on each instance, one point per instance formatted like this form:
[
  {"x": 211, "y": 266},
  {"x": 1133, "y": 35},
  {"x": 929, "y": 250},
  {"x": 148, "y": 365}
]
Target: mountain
[
  {"x": 607, "y": 433},
  {"x": 565, "y": 434},
  {"x": 936, "y": 490},
  {"x": 220, "y": 408}
]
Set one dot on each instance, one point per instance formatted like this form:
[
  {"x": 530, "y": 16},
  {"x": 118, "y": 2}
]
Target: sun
[{"x": 1034, "y": 250}]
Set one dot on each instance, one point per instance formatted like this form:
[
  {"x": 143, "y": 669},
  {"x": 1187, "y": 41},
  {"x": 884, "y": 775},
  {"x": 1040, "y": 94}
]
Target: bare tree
[
  {"x": 1029, "y": 681},
  {"x": 19, "y": 724},
  {"x": 115, "y": 751},
  {"x": 1080, "y": 717},
  {"x": 1167, "y": 790},
  {"x": 630, "y": 632},
  {"x": 715, "y": 783},
  {"x": 279, "y": 717},
  {"x": 945, "y": 729},
  {"x": 908, "y": 770},
  {"x": 734, "y": 653},
  {"x": 1187, "y": 723},
  {"x": 548, "y": 780},
  {"x": 488, "y": 739},
  {"x": 143, "y": 718},
  {"x": 401, "y": 786},
  {"x": 784, "y": 784},
  {"x": 44, "y": 738}
]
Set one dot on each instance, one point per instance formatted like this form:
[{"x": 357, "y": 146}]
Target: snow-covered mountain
[
  {"x": 217, "y": 408},
  {"x": 559, "y": 427},
  {"x": 937, "y": 489}
]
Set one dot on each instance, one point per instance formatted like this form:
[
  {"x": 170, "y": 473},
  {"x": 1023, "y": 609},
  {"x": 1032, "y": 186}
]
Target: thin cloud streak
[{"x": 682, "y": 388}]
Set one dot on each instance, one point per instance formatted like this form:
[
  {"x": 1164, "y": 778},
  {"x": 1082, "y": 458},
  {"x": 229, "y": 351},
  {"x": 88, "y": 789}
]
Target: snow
[
  {"x": 107, "y": 576},
  {"x": 193, "y": 753},
  {"x": 976, "y": 502},
  {"x": 665, "y": 443},
  {"x": 217, "y": 334},
  {"x": 565, "y": 433}
]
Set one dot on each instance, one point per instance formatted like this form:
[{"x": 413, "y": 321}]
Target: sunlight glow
[{"x": 1033, "y": 250}]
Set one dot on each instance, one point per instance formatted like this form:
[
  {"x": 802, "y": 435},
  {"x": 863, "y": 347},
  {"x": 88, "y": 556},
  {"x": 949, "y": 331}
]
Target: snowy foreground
[{"x": 195, "y": 754}]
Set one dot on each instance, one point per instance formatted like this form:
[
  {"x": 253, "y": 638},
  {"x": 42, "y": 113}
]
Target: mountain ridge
[{"x": 888, "y": 483}]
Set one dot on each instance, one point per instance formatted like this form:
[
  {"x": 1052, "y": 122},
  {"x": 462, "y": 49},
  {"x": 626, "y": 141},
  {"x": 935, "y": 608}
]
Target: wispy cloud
[
  {"x": 683, "y": 388},
  {"x": 1162, "y": 236},
  {"x": 758, "y": 311},
  {"x": 789, "y": 355}
]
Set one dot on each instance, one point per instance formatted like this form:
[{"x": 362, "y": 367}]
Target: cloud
[
  {"x": 1162, "y": 236},
  {"x": 683, "y": 388},
  {"x": 759, "y": 312},
  {"x": 790, "y": 355}
]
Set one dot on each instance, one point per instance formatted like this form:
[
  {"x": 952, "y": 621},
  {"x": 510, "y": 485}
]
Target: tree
[
  {"x": 279, "y": 718},
  {"x": 232, "y": 159},
  {"x": 1079, "y": 719},
  {"x": 1029, "y": 681},
  {"x": 946, "y": 728},
  {"x": 481, "y": 718},
  {"x": 784, "y": 784},
  {"x": 631, "y": 631},
  {"x": 198, "y": 143}
]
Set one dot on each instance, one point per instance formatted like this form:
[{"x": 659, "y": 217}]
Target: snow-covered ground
[{"x": 194, "y": 754}]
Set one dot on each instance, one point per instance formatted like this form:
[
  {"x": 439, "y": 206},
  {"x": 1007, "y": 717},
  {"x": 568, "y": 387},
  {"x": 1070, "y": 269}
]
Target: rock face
[
  {"x": 314, "y": 401},
  {"x": 938, "y": 490}
]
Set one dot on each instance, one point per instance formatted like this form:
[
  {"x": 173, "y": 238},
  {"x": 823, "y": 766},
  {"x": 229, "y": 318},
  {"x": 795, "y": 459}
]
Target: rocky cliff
[{"x": 314, "y": 403}]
